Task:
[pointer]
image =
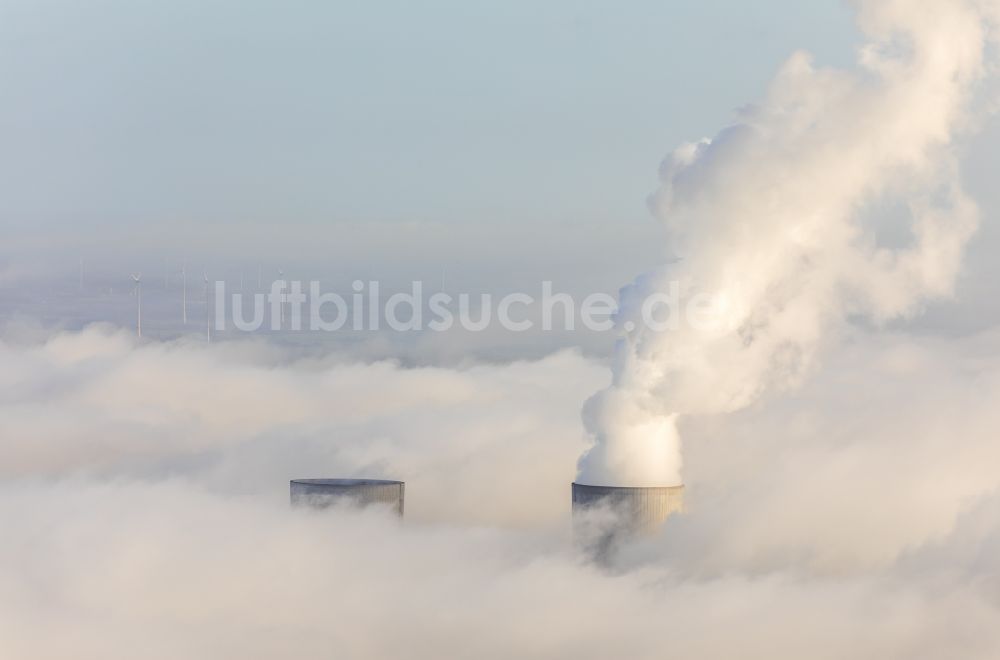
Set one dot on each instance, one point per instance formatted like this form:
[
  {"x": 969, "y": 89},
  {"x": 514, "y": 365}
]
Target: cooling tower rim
[
  {"x": 673, "y": 487},
  {"x": 347, "y": 482}
]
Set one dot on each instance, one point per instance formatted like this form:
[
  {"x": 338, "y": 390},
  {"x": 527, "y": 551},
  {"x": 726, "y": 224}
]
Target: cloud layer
[{"x": 145, "y": 513}]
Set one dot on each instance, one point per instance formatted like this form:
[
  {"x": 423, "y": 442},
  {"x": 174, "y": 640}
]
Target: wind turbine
[
  {"x": 281, "y": 300},
  {"x": 184, "y": 294},
  {"x": 137, "y": 291},
  {"x": 208, "y": 311}
]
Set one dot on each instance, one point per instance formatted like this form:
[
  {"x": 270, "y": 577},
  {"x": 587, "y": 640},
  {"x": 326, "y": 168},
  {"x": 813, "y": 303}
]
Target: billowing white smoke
[{"x": 787, "y": 225}]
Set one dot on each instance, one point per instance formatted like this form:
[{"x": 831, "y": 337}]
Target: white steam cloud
[
  {"x": 836, "y": 197},
  {"x": 144, "y": 505}
]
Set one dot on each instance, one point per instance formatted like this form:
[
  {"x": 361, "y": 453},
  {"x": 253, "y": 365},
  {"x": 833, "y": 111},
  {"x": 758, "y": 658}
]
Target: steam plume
[{"x": 788, "y": 224}]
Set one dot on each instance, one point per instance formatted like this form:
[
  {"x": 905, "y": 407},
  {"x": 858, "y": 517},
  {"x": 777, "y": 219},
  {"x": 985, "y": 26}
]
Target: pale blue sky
[
  {"x": 495, "y": 144},
  {"x": 206, "y": 127}
]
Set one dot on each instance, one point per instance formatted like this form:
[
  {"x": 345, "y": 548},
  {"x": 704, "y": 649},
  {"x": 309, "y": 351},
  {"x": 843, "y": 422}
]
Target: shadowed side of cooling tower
[
  {"x": 322, "y": 493},
  {"x": 606, "y": 516}
]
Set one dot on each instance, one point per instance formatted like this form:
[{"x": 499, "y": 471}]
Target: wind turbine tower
[
  {"x": 208, "y": 311},
  {"x": 184, "y": 294},
  {"x": 281, "y": 301},
  {"x": 137, "y": 290}
]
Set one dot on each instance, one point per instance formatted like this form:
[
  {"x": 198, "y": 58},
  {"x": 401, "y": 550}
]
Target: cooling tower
[
  {"x": 321, "y": 493},
  {"x": 606, "y": 515}
]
